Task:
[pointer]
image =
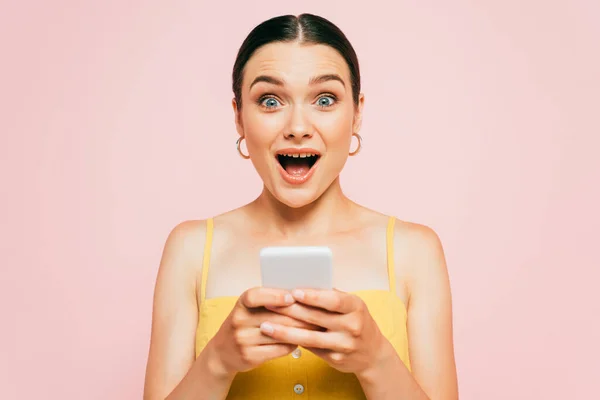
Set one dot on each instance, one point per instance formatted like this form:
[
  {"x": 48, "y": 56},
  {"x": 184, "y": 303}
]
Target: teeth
[{"x": 300, "y": 155}]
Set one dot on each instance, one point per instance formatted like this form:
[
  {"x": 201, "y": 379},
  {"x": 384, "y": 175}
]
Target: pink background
[{"x": 481, "y": 121}]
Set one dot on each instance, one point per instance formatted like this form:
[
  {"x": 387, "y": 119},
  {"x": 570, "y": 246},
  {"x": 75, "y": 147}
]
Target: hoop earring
[
  {"x": 359, "y": 138},
  {"x": 238, "y": 144}
]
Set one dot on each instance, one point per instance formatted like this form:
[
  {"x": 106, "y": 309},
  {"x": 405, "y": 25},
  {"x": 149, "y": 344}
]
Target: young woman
[{"x": 385, "y": 332}]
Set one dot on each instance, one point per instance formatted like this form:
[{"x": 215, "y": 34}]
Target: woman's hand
[
  {"x": 351, "y": 342},
  {"x": 239, "y": 345}
]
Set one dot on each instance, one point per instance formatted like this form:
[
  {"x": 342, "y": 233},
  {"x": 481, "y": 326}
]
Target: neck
[{"x": 320, "y": 217}]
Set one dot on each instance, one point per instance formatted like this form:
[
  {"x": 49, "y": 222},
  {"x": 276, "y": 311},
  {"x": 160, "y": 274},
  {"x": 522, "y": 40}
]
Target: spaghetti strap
[
  {"x": 206, "y": 258},
  {"x": 390, "y": 253}
]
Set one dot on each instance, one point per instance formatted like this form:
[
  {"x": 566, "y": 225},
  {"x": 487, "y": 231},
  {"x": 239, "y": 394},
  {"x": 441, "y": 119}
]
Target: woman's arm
[
  {"x": 389, "y": 379},
  {"x": 430, "y": 331},
  {"x": 430, "y": 334},
  {"x": 172, "y": 371}
]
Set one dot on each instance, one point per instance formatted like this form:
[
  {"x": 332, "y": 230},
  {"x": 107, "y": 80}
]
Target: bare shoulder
[
  {"x": 419, "y": 254},
  {"x": 186, "y": 242},
  {"x": 417, "y": 241},
  {"x": 186, "y": 234},
  {"x": 184, "y": 249},
  {"x": 187, "y": 239}
]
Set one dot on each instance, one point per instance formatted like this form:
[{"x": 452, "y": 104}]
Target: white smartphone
[{"x": 291, "y": 267}]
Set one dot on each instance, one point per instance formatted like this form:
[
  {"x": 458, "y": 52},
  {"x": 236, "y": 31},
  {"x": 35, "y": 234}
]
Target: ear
[
  {"x": 238, "y": 118},
  {"x": 358, "y": 113}
]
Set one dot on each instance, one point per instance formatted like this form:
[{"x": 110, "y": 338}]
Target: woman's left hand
[{"x": 351, "y": 340}]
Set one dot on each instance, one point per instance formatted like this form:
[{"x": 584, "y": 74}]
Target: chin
[{"x": 295, "y": 197}]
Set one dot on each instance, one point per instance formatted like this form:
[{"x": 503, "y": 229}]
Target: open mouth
[{"x": 297, "y": 167}]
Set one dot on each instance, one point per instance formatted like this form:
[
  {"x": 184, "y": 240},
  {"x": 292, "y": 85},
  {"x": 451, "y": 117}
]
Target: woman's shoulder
[
  {"x": 186, "y": 234},
  {"x": 419, "y": 254},
  {"x": 189, "y": 236},
  {"x": 412, "y": 241},
  {"x": 420, "y": 237},
  {"x": 188, "y": 239},
  {"x": 184, "y": 247}
]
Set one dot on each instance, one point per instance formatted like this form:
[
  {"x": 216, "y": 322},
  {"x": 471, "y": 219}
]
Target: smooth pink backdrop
[{"x": 481, "y": 121}]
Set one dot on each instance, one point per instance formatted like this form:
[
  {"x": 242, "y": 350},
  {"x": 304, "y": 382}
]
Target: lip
[
  {"x": 298, "y": 150},
  {"x": 297, "y": 180}
]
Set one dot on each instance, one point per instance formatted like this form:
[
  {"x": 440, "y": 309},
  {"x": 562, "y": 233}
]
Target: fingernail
[
  {"x": 288, "y": 299},
  {"x": 266, "y": 327},
  {"x": 299, "y": 294}
]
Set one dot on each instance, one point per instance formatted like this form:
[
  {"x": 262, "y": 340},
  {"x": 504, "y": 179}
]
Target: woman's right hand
[{"x": 239, "y": 344}]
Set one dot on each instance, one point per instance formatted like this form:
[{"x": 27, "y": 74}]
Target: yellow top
[{"x": 302, "y": 375}]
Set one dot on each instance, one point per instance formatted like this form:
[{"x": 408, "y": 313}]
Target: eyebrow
[
  {"x": 313, "y": 81},
  {"x": 325, "y": 78},
  {"x": 268, "y": 79}
]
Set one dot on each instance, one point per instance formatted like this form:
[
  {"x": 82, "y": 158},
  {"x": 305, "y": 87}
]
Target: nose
[{"x": 299, "y": 125}]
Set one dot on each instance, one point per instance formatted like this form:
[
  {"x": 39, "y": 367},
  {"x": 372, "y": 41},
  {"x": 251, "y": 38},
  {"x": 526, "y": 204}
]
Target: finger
[
  {"x": 332, "y": 357},
  {"x": 252, "y": 337},
  {"x": 260, "y": 297},
  {"x": 291, "y": 322},
  {"x": 267, "y": 315},
  {"x": 252, "y": 318},
  {"x": 267, "y": 352},
  {"x": 309, "y": 315},
  {"x": 351, "y": 324},
  {"x": 305, "y": 338},
  {"x": 323, "y": 353},
  {"x": 331, "y": 300}
]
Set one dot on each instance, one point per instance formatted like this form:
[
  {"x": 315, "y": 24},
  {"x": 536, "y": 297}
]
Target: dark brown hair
[{"x": 306, "y": 28}]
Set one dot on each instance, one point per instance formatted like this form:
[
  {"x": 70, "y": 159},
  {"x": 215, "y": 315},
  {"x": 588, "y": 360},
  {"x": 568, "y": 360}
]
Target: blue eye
[
  {"x": 325, "y": 101},
  {"x": 270, "y": 102}
]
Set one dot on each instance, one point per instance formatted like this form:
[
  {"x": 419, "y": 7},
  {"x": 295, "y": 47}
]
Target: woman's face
[{"x": 297, "y": 116}]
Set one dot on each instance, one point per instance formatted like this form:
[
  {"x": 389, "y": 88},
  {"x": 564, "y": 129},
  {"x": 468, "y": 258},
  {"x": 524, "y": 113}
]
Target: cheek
[
  {"x": 261, "y": 130},
  {"x": 337, "y": 130}
]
